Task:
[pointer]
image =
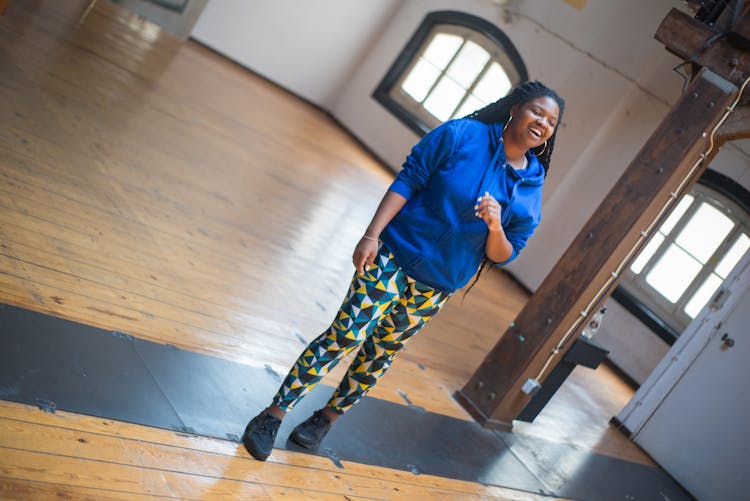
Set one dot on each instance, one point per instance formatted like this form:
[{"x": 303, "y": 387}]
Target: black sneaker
[
  {"x": 310, "y": 433},
  {"x": 260, "y": 434}
]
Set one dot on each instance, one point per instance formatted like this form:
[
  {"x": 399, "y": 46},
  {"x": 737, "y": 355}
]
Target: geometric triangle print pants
[{"x": 382, "y": 310}]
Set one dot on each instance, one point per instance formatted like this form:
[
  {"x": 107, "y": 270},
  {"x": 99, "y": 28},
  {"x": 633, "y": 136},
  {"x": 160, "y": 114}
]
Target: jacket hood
[{"x": 533, "y": 174}]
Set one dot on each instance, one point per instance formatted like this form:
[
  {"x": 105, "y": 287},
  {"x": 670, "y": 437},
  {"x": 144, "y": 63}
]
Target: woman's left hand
[{"x": 489, "y": 210}]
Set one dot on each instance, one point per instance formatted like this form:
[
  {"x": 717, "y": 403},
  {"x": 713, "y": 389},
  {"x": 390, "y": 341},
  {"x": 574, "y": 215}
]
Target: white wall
[
  {"x": 734, "y": 161},
  {"x": 310, "y": 47},
  {"x": 633, "y": 348}
]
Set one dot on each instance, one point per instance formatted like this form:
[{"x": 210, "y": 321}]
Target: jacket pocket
[{"x": 433, "y": 249}]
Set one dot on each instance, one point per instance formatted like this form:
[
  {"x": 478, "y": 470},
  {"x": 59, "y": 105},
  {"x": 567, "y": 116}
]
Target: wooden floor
[{"x": 152, "y": 187}]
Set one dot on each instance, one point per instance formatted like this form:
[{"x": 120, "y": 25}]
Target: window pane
[
  {"x": 470, "y": 105},
  {"x": 701, "y": 297},
  {"x": 676, "y": 214},
  {"x": 493, "y": 85},
  {"x": 444, "y": 99},
  {"x": 420, "y": 80},
  {"x": 471, "y": 59},
  {"x": 704, "y": 232},
  {"x": 645, "y": 255},
  {"x": 673, "y": 273},
  {"x": 733, "y": 256},
  {"x": 442, "y": 49}
]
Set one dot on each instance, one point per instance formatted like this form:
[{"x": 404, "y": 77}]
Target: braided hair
[{"x": 499, "y": 112}]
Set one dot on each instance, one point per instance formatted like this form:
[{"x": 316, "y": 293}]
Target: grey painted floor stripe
[{"x": 50, "y": 361}]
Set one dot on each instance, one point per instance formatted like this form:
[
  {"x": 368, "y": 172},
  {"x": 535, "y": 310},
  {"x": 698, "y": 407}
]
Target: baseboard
[
  {"x": 622, "y": 374},
  {"x": 617, "y": 424},
  {"x": 377, "y": 158},
  {"x": 516, "y": 281}
]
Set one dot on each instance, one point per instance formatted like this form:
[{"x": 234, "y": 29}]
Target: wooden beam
[
  {"x": 692, "y": 40},
  {"x": 737, "y": 125},
  {"x": 740, "y": 32},
  {"x": 493, "y": 395}
]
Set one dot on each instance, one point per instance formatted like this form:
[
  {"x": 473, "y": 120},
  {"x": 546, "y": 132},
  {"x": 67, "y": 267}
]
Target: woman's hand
[
  {"x": 498, "y": 248},
  {"x": 364, "y": 254},
  {"x": 490, "y": 211}
]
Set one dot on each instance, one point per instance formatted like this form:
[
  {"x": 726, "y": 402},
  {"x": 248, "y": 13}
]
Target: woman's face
[{"x": 534, "y": 121}]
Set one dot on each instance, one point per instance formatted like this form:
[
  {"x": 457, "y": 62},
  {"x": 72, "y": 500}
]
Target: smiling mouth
[{"x": 536, "y": 132}]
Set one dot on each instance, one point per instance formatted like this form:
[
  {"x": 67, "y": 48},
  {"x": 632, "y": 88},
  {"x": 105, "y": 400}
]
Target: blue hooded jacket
[{"x": 436, "y": 237}]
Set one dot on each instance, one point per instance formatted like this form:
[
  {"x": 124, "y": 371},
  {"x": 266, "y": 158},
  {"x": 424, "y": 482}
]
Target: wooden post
[{"x": 493, "y": 395}]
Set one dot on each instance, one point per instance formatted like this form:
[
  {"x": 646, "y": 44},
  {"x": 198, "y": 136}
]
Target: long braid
[{"x": 499, "y": 112}]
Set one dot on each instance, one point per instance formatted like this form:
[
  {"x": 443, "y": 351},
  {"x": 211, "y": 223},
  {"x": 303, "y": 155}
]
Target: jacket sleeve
[
  {"x": 425, "y": 157},
  {"x": 518, "y": 233}
]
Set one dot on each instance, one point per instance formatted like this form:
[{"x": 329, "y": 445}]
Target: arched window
[
  {"x": 454, "y": 64},
  {"x": 691, "y": 254}
]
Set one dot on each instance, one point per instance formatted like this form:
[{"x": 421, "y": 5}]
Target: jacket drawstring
[{"x": 492, "y": 167}]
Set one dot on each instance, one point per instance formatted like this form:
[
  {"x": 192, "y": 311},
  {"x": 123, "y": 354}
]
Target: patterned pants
[{"x": 382, "y": 310}]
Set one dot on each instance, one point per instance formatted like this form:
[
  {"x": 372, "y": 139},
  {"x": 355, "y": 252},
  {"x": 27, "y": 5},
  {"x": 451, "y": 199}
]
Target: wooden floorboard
[
  {"x": 109, "y": 456},
  {"x": 152, "y": 187}
]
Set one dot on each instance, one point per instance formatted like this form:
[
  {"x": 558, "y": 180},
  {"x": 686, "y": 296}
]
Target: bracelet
[{"x": 370, "y": 238}]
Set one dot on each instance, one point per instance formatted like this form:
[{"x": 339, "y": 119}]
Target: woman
[{"x": 470, "y": 193}]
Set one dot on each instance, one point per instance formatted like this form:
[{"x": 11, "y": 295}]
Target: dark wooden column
[{"x": 646, "y": 190}]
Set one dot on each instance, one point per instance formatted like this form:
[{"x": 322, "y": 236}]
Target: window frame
[
  {"x": 653, "y": 316},
  {"x": 409, "y": 55}
]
